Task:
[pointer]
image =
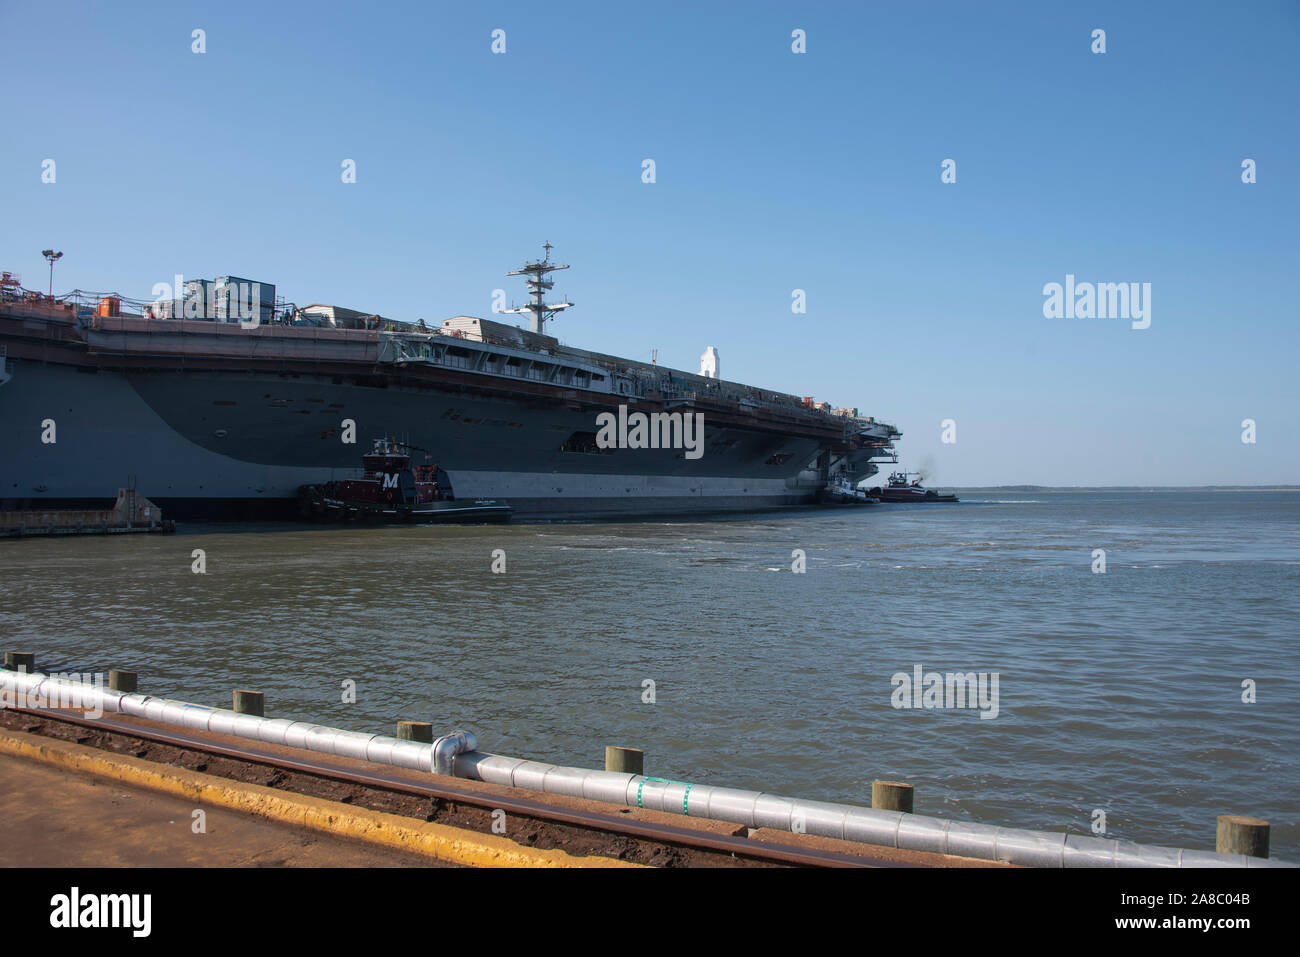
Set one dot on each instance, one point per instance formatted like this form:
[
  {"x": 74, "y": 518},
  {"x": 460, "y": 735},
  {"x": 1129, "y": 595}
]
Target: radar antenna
[{"x": 538, "y": 285}]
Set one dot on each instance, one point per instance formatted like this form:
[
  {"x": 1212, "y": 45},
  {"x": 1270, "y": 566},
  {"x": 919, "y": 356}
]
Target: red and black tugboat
[
  {"x": 900, "y": 489},
  {"x": 392, "y": 490}
]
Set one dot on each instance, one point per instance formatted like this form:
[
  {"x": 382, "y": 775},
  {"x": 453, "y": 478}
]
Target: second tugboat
[
  {"x": 900, "y": 489},
  {"x": 391, "y": 490}
]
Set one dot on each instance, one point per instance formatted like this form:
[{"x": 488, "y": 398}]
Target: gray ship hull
[{"x": 211, "y": 443}]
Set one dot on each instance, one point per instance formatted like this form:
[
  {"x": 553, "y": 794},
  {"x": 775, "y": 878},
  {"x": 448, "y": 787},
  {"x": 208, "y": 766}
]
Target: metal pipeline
[
  {"x": 909, "y": 832},
  {"x": 42, "y": 690},
  {"x": 456, "y": 754},
  {"x": 448, "y": 747}
]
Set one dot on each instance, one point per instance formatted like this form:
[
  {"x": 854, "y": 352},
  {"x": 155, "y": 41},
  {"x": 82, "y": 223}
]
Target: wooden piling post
[
  {"x": 891, "y": 796},
  {"x": 124, "y": 681},
  {"x": 625, "y": 760},
  {"x": 20, "y": 661},
  {"x": 421, "y": 731},
  {"x": 1241, "y": 835},
  {"x": 250, "y": 702}
]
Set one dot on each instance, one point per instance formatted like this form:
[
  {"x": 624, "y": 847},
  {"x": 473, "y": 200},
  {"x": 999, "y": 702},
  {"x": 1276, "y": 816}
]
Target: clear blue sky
[{"x": 775, "y": 171}]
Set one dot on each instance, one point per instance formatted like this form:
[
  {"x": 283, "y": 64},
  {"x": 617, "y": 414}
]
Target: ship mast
[{"x": 538, "y": 286}]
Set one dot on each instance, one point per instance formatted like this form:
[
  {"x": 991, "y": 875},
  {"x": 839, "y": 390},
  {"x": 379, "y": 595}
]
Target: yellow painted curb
[{"x": 439, "y": 841}]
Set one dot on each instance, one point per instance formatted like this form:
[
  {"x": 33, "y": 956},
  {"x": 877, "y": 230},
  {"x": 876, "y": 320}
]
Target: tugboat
[
  {"x": 900, "y": 489},
  {"x": 843, "y": 492},
  {"x": 391, "y": 490}
]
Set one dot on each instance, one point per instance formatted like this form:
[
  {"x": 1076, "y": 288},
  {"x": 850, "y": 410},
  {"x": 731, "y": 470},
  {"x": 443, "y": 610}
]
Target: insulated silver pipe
[
  {"x": 456, "y": 754},
  {"x": 42, "y": 691},
  {"x": 909, "y": 832}
]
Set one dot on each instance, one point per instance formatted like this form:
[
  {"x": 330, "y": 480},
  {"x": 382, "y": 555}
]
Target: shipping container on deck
[{"x": 231, "y": 290}]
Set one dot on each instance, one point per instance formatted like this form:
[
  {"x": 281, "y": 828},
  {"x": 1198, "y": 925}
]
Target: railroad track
[{"x": 649, "y": 831}]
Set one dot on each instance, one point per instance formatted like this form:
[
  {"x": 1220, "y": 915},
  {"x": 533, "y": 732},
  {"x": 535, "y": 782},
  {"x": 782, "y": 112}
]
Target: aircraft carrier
[{"x": 222, "y": 412}]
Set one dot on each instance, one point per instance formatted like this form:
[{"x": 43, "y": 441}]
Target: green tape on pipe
[{"x": 685, "y": 797}]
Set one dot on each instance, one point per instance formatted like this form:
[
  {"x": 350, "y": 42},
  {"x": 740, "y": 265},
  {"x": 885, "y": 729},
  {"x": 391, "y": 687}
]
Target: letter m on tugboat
[{"x": 390, "y": 489}]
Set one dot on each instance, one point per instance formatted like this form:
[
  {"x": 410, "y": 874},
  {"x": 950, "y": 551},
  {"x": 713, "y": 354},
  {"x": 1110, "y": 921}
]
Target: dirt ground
[{"x": 50, "y": 817}]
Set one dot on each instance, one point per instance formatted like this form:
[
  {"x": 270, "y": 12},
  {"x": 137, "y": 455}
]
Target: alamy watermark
[
  {"x": 654, "y": 430},
  {"x": 1103, "y": 300},
  {"x": 953, "y": 690},
  {"x": 71, "y": 691},
  {"x": 74, "y": 909},
  {"x": 200, "y": 299}
]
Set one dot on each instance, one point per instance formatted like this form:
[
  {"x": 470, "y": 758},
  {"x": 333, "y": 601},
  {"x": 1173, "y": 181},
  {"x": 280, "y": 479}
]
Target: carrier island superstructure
[{"x": 212, "y": 417}]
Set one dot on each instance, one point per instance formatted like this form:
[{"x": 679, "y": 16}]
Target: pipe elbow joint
[{"x": 447, "y": 747}]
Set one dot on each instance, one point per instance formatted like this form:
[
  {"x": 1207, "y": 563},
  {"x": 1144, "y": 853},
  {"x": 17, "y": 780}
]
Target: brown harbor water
[{"x": 1119, "y": 691}]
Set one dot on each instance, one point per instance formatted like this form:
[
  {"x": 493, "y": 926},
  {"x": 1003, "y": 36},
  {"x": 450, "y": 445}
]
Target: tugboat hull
[
  {"x": 317, "y": 507},
  {"x": 900, "y": 490},
  {"x": 928, "y": 497}
]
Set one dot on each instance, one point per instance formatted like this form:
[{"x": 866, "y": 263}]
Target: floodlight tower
[{"x": 53, "y": 257}]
